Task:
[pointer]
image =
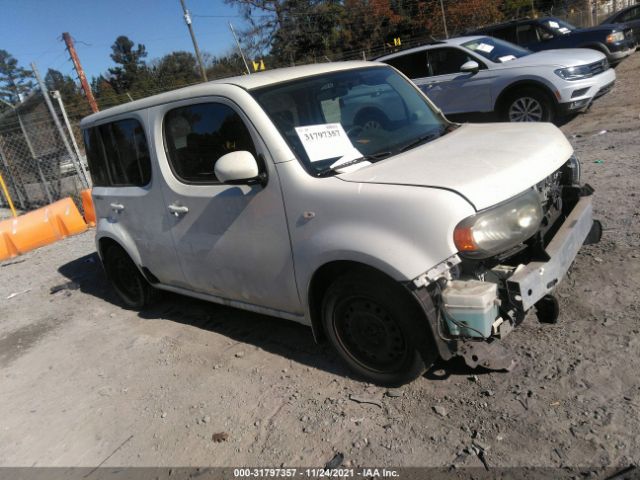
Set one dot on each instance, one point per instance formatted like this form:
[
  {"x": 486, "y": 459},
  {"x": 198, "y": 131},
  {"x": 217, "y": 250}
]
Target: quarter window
[
  {"x": 118, "y": 154},
  {"x": 196, "y": 136}
]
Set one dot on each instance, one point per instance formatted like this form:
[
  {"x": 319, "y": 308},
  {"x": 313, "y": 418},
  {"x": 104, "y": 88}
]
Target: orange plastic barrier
[
  {"x": 40, "y": 227},
  {"x": 87, "y": 206}
]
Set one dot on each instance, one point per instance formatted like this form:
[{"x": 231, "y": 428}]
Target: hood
[
  {"x": 485, "y": 163},
  {"x": 604, "y": 29},
  {"x": 566, "y": 57}
]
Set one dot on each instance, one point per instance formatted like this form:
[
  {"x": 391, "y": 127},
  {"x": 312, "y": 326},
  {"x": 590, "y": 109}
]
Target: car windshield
[
  {"x": 557, "y": 26},
  {"x": 368, "y": 112},
  {"x": 496, "y": 50}
]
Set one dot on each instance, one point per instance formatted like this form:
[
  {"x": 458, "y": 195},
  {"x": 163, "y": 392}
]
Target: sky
[{"x": 31, "y": 30}]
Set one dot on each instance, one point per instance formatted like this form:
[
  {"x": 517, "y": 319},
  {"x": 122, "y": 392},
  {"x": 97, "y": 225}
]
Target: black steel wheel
[
  {"x": 377, "y": 328},
  {"x": 132, "y": 288}
]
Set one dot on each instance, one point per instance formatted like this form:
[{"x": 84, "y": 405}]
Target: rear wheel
[
  {"x": 132, "y": 288},
  {"x": 377, "y": 329},
  {"x": 528, "y": 105}
]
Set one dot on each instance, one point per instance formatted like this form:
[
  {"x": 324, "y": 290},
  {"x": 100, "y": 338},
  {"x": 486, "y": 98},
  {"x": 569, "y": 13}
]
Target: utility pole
[
  {"x": 56, "y": 120},
  {"x": 233, "y": 32},
  {"x": 444, "y": 19},
  {"x": 187, "y": 20},
  {"x": 83, "y": 78}
]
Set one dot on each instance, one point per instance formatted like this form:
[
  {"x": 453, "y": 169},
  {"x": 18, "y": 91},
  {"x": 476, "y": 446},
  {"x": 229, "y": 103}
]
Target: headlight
[
  {"x": 499, "y": 228},
  {"x": 574, "y": 73},
  {"x": 574, "y": 170},
  {"x": 615, "y": 37}
]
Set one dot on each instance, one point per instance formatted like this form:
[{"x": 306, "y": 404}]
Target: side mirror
[
  {"x": 239, "y": 168},
  {"x": 470, "y": 67}
]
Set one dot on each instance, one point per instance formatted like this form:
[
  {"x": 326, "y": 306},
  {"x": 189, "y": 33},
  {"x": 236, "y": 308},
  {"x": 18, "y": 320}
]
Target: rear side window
[
  {"x": 95, "y": 158},
  {"x": 118, "y": 154},
  {"x": 413, "y": 65},
  {"x": 196, "y": 136}
]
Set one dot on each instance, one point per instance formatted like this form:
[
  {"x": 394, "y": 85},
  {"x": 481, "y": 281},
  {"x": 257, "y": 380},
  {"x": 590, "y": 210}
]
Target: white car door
[
  {"x": 232, "y": 240},
  {"x": 455, "y": 91},
  {"x": 126, "y": 196}
]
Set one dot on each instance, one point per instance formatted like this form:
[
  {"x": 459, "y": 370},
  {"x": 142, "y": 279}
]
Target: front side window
[
  {"x": 118, "y": 154},
  {"x": 413, "y": 65},
  {"x": 527, "y": 34},
  {"x": 196, "y": 136},
  {"x": 496, "y": 50},
  {"x": 444, "y": 61},
  {"x": 379, "y": 111}
]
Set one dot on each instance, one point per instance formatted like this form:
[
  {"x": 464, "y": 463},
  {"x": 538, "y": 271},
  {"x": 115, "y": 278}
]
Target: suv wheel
[
  {"x": 371, "y": 119},
  {"x": 528, "y": 105},
  {"x": 377, "y": 329},
  {"x": 132, "y": 288}
]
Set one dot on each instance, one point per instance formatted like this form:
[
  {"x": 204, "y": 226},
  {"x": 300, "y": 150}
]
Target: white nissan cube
[{"x": 398, "y": 243}]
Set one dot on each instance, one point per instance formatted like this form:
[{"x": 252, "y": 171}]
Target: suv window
[
  {"x": 527, "y": 33},
  {"x": 196, "y": 136},
  {"x": 413, "y": 65},
  {"x": 118, "y": 154},
  {"x": 505, "y": 33},
  {"x": 632, "y": 14},
  {"x": 447, "y": 60}
]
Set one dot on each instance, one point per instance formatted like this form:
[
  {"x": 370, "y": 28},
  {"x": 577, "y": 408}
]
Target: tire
[
  {"x": 132, "y": 288},
  {"x": 528, "y": 105},
  {"x": 371, "y": 119},
  {"x": 377, "y": 328}
]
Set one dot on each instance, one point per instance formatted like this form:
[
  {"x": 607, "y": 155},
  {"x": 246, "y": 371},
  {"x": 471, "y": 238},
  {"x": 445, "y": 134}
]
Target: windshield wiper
[
  {"x": 364, "y": 158},
  {"x": 421, "y": 140}
]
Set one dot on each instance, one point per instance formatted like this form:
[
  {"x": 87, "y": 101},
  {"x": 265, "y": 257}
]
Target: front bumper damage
[{"x": 521, "y": 288}]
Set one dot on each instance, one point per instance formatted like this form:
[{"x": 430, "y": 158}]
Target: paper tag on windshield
[
  {"x": 325, "y": 141},
  {"x": 483, "y": 47},
  {"x": 554, "y": 24},
  {"x": 506, "y": 58}
]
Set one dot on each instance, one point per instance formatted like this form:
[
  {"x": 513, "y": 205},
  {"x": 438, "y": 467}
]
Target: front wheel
[
  {"x": 377, "y": 329},
  {"x": 528, "y": 105}
]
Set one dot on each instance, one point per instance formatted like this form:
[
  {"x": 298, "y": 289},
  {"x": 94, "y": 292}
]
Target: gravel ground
[{"x": 84, "y": 381}]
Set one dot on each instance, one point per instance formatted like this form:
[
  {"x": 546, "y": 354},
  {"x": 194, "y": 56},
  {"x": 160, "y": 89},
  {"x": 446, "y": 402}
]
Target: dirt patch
[{"x": 18, "y": 342}]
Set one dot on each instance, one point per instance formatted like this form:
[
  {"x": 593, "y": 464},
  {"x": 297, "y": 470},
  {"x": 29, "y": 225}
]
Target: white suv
[
  {"x": 486, "y": 74},
  {"x": 399, "y": 243}
]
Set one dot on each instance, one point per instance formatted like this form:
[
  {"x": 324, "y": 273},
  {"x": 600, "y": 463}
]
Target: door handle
[
  {"x": 178, "y": 210},
  {"x": 118, "y": 207}
]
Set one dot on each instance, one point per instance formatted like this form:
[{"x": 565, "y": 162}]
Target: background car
[
  {"x": 630, "y": 17},
  {"x": 546, "y": 33},
  {"x": 486, "y": 74}
]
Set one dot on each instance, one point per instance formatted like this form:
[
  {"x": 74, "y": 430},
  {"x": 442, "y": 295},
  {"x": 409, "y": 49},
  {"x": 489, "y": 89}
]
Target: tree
[
  {"x": 15, "y": 81},
  {"x": 130, "y": 63},
  {"x": 176, "y": 69}
]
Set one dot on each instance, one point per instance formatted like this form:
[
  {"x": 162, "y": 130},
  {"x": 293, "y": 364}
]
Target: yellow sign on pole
[
  {"x": 258, "y": 66},
  {"x": 397, "y": 42}
]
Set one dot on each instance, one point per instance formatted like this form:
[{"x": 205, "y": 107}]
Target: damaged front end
[{"x": 511, "y": 258}]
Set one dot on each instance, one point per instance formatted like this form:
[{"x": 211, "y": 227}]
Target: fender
[
  {"x": 113, "y": 231},
  {"x": 536, "y": 82}
]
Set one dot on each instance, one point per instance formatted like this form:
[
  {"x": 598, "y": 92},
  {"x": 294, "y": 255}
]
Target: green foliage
[
  {"x": 15, "y": 81},
  {"x": 130, "y": 64}
]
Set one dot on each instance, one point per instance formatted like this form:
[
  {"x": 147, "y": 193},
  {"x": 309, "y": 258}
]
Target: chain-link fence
[{"x": 35, "y": 163}]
